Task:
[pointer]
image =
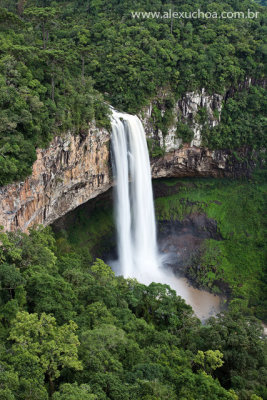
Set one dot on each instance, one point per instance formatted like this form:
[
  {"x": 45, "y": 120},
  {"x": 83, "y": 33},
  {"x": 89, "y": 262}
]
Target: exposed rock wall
[
  {"x": 191, "y": 103},
  {"x": 75, "y": 169},
  {"x": 185, "y": 110},
  {"x": 189, "y": 161},
  {"x": 70, "y": 172}
]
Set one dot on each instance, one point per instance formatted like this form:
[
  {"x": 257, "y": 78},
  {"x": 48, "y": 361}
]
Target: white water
[
  {"x": 136, "y": 228},
  {"x": 135, "y": 219}
]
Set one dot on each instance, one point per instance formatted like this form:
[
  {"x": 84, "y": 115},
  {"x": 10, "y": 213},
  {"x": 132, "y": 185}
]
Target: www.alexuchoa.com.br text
[{"x": 198, "y": 14}]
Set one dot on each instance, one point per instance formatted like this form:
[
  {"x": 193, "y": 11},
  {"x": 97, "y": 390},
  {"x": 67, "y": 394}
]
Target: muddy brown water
[
  {"x": 177, "y": 243},
  {"x": 204, "y": 304}
]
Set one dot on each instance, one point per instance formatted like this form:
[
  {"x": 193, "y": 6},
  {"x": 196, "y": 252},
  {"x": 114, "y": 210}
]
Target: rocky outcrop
[
  {"x": 189, "y": 106},
  {"x": 197, "y": 161},
  {"x": 185, "y": 110},
  {"x": 192, "y": 159},
  {"x": 71, "y": 171},
  {"x": 188, "y": 110},
  {"x": 75, "y": 169}
]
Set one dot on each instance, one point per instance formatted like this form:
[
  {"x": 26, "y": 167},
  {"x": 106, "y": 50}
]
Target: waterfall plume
[{"x": 135, "y": 218}]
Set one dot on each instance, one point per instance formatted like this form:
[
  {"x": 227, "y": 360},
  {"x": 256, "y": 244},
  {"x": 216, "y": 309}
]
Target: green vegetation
[
  {"x": 154, "y": 148},
  {"x": 243, "y": 122},
  {"x": 42, "y": 90},
  {"x": 89, "y": 229},
  {"x": 162, "y": 116},
  {"x": 237, "y": 260},
  {"x": 70, "y": 329},
  {"x": 184, "y": 132},
  {"x": 57, "y": 57}
]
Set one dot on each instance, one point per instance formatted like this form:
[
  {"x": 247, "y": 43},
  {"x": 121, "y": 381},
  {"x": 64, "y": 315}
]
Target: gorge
[
  {"x": 133, "y": 200},
  {"x": 77, "y": 168}
]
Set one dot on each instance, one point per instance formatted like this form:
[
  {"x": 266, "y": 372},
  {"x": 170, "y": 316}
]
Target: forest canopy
[
  {"x": 70, "y": 329},
  {"x": 61, "y": 62}
]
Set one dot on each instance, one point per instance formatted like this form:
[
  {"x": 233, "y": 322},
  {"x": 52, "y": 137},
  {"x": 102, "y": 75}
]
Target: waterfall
[{"x": 135, "y": 218}]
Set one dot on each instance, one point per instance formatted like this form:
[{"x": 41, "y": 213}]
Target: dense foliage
[
  {"x": 70, "y": 329},
  {"x": 55, "y": 55},
  {"x": 243, "y": 122},
  {"x": 238, "y": 260},
  {"x": 42, "y": 90}
]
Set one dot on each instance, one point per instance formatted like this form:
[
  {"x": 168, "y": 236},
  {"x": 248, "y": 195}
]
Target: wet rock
[{"x": 181, "y": 240}]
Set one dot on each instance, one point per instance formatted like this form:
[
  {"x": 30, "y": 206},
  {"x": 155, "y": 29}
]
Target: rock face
[
  {"x": 191, "y": 103},
  {"x": 75, "y": 169},
  {"x": 185, "y": 110},
  {"x": 196, "y": 161},
  {"x": 70, "y": 172}
]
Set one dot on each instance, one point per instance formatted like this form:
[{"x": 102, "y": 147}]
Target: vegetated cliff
[
  {"x": 185, "y": 111},
  {"x": 75, "y": 169},
  {"x": 178, "y": 153}
]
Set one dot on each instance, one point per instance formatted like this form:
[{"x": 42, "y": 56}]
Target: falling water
[
  {"x": 136, "y": 228},
  {"x": 135, "y": 219}
]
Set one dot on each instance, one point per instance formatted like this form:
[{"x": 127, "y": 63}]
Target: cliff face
[
  {"x": 190, "y": 161},
  {"x": 75, "y": 169},
  {"x": 184, "y": 110},
  {"x": 181, "y": 160},
  {"x": 70, "y": 172}
]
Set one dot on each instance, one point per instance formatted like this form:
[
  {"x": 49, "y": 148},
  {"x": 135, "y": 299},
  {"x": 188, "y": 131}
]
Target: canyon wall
[
  {"x": 71, "y": 171},
  {"x": 185, "y": 110},
  {"x": 75, "y": 169},
  {"x": 188, "y": 160}
]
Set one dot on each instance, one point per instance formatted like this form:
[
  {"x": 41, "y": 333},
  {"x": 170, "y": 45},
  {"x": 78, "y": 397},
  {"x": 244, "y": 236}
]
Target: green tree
[
  {"x": 209, "y": 360},
  {"x": 69, "y": 391},
  {"x": 53, "y": 347},
  {"x": 239, "y": 339},
  {"x": 43, "y": 18},
  {"x": 9, "y": 382},
  {"x": 50, "y": 294}
]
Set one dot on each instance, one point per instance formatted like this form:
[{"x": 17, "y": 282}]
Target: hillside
[{"x": 61, "y": 59}]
